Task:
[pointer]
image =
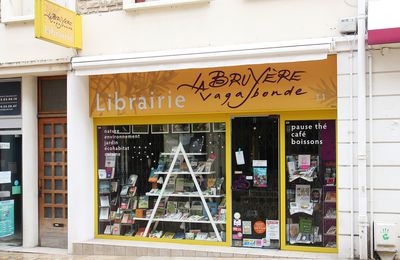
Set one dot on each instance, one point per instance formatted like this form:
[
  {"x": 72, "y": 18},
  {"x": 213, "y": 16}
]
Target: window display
[
  {"x": 162, "y": 181},
  {"x": 311, "y": 183}
]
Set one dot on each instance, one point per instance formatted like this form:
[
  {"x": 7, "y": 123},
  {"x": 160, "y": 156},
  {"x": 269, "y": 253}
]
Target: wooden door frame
[
  {"x": 50, "y": 225},
  {"x": 63, "y": 221}
]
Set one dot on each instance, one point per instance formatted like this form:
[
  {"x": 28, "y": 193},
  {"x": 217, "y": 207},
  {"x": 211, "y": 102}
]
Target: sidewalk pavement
[{"x": 44, "y": 256}]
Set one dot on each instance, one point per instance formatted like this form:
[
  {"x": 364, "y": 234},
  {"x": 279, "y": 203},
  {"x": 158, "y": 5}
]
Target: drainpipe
[
  {"x": 352, "y": 157},
  {"x": 371, "y": 157},
  {"x": 361, "y": 136}
]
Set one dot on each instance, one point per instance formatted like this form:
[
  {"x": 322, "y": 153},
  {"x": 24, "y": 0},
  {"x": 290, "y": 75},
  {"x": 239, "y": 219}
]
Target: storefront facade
[
  {"x": 138, "y": 41},
  {"x": 260, "y": 141},
  {"x": 31, "y": 152},
  {"x": 42, "y": 177}
]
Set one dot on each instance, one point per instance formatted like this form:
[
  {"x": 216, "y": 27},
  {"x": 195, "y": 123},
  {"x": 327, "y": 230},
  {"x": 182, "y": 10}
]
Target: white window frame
[
  {"x": 8, "y": 16},
  {"x": 7, "y": 11},
  {"x": 130, "y": 5}
]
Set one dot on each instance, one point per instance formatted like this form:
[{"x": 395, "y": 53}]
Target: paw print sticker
[{"x": 385, "y": 234}]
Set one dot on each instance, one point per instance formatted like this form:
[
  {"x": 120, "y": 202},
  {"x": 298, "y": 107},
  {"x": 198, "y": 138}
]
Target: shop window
[
  {"x": 21, "y": 10},
  {"x": 144, "y": 4},
  {"x": 311, "y": 183},
  {"x": 143, "y": 193}
]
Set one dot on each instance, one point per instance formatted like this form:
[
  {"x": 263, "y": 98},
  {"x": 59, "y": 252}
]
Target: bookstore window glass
[
  {"x": 311, "y": 183},
  {"x": 162, "y": 181}
]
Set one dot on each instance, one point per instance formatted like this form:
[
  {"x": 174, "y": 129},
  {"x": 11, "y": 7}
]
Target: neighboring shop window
[
  {"x": 311, "y": 183},
  {"x": 11, "y": 190},
  {"x": 136, "y": 178}
]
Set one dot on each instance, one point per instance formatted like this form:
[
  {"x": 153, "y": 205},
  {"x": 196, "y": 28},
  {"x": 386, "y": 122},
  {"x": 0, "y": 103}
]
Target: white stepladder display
[{"x": 180, "y": 151}]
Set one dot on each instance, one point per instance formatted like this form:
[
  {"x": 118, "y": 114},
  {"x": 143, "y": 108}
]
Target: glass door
[
  {"x": 255, "y": 182},
  {"x": 10, "y": 190}
]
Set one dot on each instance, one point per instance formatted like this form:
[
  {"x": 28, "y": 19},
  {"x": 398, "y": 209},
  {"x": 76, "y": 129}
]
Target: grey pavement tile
[
  {"x": 120, "y": 250},
  {"x": 143, "y": 254}
]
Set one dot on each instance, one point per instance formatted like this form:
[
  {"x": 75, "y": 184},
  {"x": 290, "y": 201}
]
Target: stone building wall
[{"x": 98, "y": 6}]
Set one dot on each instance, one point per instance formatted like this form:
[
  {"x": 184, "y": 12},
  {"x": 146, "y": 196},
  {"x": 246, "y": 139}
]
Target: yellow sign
[
  {"x": 250, "y": 88},
  {"x": 57, "y": 24}
]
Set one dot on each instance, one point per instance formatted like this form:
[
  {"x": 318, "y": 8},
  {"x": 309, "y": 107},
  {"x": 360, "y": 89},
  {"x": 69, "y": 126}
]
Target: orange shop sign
[{"x": 247, "y": 88}]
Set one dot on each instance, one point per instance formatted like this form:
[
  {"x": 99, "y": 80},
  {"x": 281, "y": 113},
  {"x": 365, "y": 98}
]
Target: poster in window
[
  {"x": 10, "y": 98},
  {"x": 6, "y": 218},
  {"x": 219, "y": 127},
  {"x": 180, "y": 128},
  {"x": 140, "y": 129},
  {"x": 160, "y": 129}
]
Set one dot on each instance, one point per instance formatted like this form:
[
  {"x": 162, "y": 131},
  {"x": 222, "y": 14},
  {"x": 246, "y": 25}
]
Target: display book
[
  {"x": 106, "y": 187},
  {"x": 132, "y": 208},
  {"x": 329, "y": 205},
  {"x": 311, "y": 200},
  {"x": 115, "y": 194}
]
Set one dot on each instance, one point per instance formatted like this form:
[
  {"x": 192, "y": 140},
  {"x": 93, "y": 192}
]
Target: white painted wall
[
  {"x": 18, "y": 44},
  {"x": 80, "y": 162},
  {"x": 218, "y": 23},
  {"x": 382, "y": 14},
  {"x": 221, "y": 22},
  {"x": 30, "y": 216},
  {"x": 386, "y": 143}
]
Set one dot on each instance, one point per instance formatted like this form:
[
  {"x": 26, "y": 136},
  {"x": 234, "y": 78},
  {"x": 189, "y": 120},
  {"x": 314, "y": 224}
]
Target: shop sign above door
[
  {"x": 10, "y": 98},
  {"x": 248, "y": 88},
  {"x": 57, "y": 24}
]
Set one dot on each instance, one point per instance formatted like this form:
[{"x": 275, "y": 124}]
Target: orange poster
[{"x": 248, "y": 88}]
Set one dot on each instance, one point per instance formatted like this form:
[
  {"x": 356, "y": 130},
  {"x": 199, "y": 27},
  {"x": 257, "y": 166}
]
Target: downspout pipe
[
  {"x": 371, "y": 157},
  {"x": 352, "y": 157},
  {"x": 361, "y": 130}
]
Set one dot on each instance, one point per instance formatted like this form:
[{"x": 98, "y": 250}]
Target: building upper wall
[
  {"x": 213, "y": 23},
  {"x": 19, "y": 45}
]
